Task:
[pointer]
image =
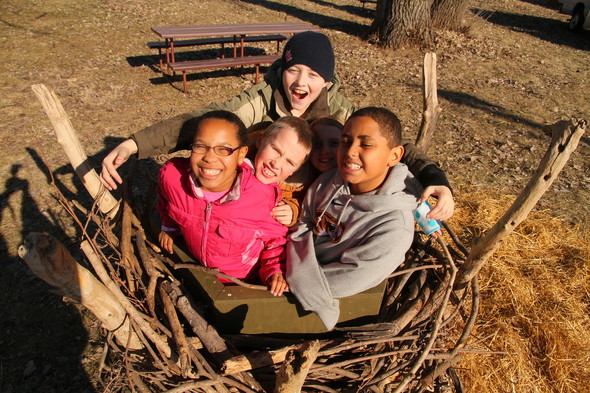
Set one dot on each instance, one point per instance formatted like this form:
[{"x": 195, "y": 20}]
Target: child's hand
[
  {"x": 166, "y": 239},
  {"x": 445, "y": 205},
  {"x": 117, "y": 157},
  {"x": 277, "y": 284},
  {"x": 282, "y": 213}
]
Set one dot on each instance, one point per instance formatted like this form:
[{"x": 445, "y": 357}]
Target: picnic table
[{"x": 240, "y": 33}]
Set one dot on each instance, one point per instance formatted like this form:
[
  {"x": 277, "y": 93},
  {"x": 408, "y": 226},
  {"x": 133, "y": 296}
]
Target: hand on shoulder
[{"x": 117, "y": 157}]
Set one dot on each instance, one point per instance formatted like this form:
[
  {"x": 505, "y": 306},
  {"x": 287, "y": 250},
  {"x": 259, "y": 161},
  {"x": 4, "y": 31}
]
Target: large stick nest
[{"x": 421, "y": 332}]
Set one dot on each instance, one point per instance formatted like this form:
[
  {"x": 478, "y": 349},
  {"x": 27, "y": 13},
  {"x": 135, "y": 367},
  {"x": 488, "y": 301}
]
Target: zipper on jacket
[{"x": 205, "y": 233}]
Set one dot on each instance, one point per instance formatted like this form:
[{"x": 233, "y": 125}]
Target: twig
[
  {"x": 428, "y": 379},
  {"x": 179, "y": 337},
  {"x": 455, "y": 239},
  {"x": 153, "y": 274},
  {"x": 99, "y": 269},
  {"x": 414, "y": 269},
  {"x": 216, "y": 272},
  {"x": 437, "y": 322}
]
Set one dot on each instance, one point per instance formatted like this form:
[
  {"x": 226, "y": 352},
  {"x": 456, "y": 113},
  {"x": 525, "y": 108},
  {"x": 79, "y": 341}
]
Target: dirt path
[{"x": 517, "y": 69}]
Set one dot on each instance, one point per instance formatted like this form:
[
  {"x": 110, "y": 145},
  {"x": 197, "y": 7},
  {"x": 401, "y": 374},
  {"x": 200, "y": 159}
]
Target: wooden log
[
  {"x": 49, "y": 260},
  {"x": 431, "y": 107},
  {"x": 211, "y": 340},
  {"x": 292, "y": 374},
  {"x": 565, "y": 138},
  {"x": 69, "y": 141},
  {"x": 179, "y": 337},
  {"x": 206, "y": 333},
  {"x": 255, "y": 360}
]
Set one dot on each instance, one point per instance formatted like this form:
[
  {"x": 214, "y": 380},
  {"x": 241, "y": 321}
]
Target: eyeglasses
[{"x": 219, "y": 150}]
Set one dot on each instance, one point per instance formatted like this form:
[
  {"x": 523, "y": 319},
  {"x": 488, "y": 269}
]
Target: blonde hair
[{"x": 297, "y": 124}]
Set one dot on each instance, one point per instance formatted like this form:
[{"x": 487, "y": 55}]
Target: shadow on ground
[
  {"x": 322, "y": 21},
  {"x": 550, "y": 30},
  {"x": 44, "y": 350}
]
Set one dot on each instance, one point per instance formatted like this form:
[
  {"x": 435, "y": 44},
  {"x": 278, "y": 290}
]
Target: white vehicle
[{"x": 578, "y": 9}]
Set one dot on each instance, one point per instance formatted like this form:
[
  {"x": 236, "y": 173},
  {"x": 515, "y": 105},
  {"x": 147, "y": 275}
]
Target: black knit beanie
[{"x": 313, "y": 50}]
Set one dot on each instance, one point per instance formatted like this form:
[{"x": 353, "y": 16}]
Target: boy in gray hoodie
[{"x": 357, "y": 222}]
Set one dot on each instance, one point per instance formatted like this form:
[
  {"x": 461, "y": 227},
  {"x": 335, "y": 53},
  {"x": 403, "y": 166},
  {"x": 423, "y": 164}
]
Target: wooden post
[
  {"x": 565, "y": 138},
  {"x": 431, "y": 107},
  {"x": 49, "y": 260},
  {"x": 69, "y": 141}
]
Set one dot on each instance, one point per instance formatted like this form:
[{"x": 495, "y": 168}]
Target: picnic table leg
[
  {"x": 172, "y": 49},
  {"x": 160, "y": 58},
  {"x": 167, "y": 51},
  {"x": 235, "y": 44},
  {"x": 184, "y": 81},
  {"x": 256, "y": 80},
  {"x": 242, "y": 45}
]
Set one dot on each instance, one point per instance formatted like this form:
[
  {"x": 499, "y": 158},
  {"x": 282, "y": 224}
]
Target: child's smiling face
[
  {"x": 216, "y": 173},
  {"x": 302, "y": 87},
  {"x": 279, "y": 156},
  {"x": 364, "y": 155},
  {"x": 325, "y": 147}
]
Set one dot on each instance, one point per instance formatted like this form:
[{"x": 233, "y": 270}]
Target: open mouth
[
  {"x": 299, "y": 94},
  {"x": 266, "y": 172}
]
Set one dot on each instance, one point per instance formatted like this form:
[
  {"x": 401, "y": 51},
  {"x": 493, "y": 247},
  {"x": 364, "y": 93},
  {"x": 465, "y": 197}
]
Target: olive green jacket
[{"x": 265, "y": 102}]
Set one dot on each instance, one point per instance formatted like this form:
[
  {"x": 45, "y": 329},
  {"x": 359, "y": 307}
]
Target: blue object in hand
[{"x": 428, "y": 226}]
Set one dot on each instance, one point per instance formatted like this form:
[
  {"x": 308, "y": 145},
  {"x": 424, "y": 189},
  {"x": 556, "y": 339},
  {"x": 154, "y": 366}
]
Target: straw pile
[{"x": 535, "y": 301}]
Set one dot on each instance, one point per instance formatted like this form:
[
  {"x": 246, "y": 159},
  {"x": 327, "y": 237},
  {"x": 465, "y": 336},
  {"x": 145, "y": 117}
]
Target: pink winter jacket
[{"x": 231, "y": 234}]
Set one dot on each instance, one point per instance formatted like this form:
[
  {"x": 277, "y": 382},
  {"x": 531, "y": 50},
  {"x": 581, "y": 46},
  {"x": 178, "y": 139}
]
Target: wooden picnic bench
[
  {"x": 224, "y": 33},
  {"x": 184, "y": 66},
  {"x": 159, "y": 45}
]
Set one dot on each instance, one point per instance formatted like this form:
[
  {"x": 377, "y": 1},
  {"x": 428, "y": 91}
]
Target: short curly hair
[{"x": 390, "y": 126}]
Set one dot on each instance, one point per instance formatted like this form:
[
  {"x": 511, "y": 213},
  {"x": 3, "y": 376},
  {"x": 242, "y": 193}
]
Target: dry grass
[{"x": 535, "y": 302}]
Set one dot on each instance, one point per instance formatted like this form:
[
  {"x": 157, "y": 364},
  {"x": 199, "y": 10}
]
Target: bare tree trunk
[
  {"x": 565, "y": 138},
  {"x": 448, "y": 14},
  {"x": 401, "y": 22}
]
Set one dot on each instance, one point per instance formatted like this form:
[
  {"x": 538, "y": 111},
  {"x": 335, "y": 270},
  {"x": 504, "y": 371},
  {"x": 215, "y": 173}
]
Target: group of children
[{"x": 340, "y": 187}]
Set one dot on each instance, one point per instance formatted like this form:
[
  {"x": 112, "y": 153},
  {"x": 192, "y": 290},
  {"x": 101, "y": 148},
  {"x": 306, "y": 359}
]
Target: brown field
[{"x": 516, "y": 69}]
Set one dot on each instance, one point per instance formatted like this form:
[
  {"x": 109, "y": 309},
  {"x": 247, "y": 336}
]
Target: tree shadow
[
  {"x": 552, "y": 5},
  {"x": 42, "y": 338},
  {"x": 469, "y": 100},
  {"x": 351, "y": 9},
  {"x": 547, "y": 29},
  {"x": 323, "y": 21}
]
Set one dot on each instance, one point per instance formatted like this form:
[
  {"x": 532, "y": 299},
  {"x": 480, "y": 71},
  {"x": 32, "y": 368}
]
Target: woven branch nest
[{"x": 421, "y": 332}]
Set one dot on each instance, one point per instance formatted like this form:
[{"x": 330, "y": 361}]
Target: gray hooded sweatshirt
[{"x": 345, "y": 244}]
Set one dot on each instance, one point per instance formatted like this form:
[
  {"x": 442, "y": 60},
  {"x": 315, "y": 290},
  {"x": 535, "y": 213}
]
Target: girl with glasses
[{"x": 223, "y": 212}]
